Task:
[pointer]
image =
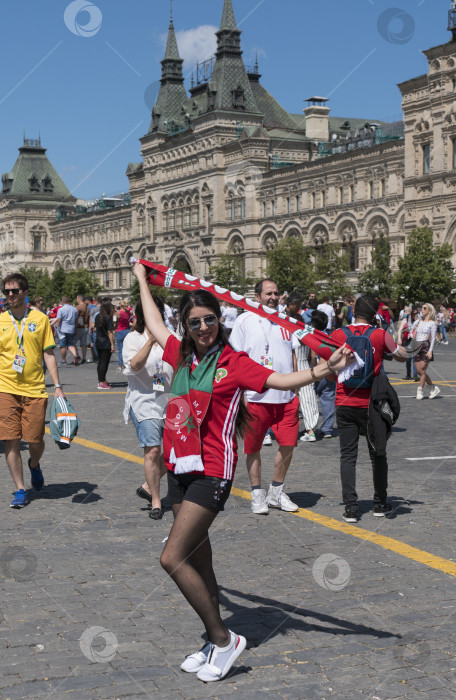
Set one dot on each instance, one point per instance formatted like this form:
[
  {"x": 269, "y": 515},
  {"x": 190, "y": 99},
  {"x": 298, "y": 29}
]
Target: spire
[
  {"x": 172, "y": 52},
  {"x": 167, "y": 112},
  {"x": 230, "y": 89},
  {"x": 228, "y": 19}
]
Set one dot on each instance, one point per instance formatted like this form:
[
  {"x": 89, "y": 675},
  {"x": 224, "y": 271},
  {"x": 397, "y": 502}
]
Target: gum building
[{"x": 225, "y": 168}]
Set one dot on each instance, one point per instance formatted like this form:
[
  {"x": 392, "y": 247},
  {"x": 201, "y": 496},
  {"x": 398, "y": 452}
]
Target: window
[
  {"x": 242, "y": 209},
  {"x": 323, "y": 198},
  {"x": 352, "y": 193},
  {"x": 273, "y": 207},
  {"x": 288, "y": 205},
  {"x": 233, "y": 210},
  {"x": 37, "y": 243},
  {"x": 454, "y": 153},
  {"x": 341, "y": 195},
  {"x": 426, "y": 158},
  {"x": 265, "y": 209},
  {"x": 314, "y": 200},
  {"x": 298, "y": 204},
  {"x": 371, "y": 190},
  {"x": 383, "y": 188}
]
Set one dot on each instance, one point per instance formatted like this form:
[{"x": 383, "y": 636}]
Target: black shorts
[{"x": 207, "y": 491}]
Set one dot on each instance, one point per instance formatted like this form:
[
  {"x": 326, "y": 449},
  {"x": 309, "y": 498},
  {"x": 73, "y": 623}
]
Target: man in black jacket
[{"x": 352, "y": 408}]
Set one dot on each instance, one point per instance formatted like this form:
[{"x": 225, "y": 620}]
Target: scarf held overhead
[{"x": 161, "y": 276}]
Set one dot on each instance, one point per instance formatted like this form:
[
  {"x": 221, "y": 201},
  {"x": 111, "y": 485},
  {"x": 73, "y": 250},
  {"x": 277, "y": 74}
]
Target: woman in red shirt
[
  {"x": 122, "y": 330},
  {"x": 200, "y": 451}
]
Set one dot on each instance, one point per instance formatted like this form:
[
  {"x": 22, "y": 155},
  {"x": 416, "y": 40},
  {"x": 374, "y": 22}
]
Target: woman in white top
[
  {"x": 424, "y": 331},
  {"x": 229, "y": 315},
  {"x": 149, "y": 384}
]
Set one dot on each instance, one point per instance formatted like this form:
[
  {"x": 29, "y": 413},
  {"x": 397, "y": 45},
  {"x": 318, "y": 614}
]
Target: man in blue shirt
[{"x": 66, "y": 321}]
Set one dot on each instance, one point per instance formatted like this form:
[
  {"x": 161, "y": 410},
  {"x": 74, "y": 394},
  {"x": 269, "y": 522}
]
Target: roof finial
[
  {"x": 171, "y": 11},
  {"x": 452, "y": 19}
]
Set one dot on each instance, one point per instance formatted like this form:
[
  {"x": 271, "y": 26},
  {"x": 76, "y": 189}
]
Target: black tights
[{"x": 187, "y": 558}]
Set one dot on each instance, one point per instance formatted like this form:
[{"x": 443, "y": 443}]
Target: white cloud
[{"x": 196, "y": 44}]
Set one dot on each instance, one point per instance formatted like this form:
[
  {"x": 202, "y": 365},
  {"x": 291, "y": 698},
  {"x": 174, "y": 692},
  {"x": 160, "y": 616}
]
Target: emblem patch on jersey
[
  {"x": 32, "y": 327},
  {"x": 220, "y": 374}
]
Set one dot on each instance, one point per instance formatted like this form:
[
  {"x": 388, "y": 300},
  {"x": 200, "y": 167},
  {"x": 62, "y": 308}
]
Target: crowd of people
[{"x": 200, "y": 377}]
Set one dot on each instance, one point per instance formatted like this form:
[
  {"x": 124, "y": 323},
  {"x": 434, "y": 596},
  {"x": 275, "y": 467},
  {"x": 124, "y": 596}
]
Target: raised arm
[
  {"x": 152, "y": 315},
  {"x": 288, "y": 382}
]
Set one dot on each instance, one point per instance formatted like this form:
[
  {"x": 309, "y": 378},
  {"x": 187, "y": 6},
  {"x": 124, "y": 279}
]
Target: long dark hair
[
  {"x": 202, "y": 298},
  {"x": 106, "y": 309},
  {"x": 140, "y": 323}
]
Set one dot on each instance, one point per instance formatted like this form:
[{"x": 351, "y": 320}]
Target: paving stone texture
[{"x": 88, "y": 612}]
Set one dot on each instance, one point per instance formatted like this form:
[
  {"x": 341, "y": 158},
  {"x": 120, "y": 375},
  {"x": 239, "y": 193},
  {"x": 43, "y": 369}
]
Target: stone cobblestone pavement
[{"x": 88, "y": 612}]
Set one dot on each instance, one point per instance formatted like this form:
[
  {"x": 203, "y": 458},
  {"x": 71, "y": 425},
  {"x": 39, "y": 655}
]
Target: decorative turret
[
  {"x": 34, "y": 178},
  {"x": 230, "y": 87},
  {"x": 167, "y": 113},
  {"x": 452, "y": 19}
]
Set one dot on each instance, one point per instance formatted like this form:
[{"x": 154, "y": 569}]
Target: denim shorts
[
  {"x": 149, "y": 431},
  {"x": 66, "y": 339}
]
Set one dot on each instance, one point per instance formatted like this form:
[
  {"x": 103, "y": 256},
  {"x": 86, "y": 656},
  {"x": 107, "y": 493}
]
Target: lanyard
[
  {"x": 20, "y": 332},
  {"x": 266, "y": 336}
]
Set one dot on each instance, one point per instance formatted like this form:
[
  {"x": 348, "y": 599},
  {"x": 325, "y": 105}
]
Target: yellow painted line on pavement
[
  {"x": 442, "y": 382},
  {"x": 107, "y": 450},
  {"x": 94, "y": 393},
  {"x": 405, "y": 550}
]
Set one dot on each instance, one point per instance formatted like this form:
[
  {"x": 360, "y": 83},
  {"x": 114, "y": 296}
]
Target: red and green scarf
[{"x": 191, "y": 394}]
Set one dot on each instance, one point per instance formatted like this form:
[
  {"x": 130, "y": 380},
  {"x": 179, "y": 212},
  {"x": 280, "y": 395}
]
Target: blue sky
[{"x": 85, "y": 94}]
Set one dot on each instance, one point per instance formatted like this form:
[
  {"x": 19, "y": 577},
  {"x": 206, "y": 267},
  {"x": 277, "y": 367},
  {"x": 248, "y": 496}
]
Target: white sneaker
[
  {"x": 435, "y": 391},
  {"x": 267, "y": 440},
  {"x": 419, "y": 394},
  {"x": 259, "y": 504},
  {"x": 308, "y": 438},
  {"x": 278, "y": 499},
  {"x": 445, "y": 342},
  {"x": 194, "y": 662},
  {"x": 221, "y": 659}
]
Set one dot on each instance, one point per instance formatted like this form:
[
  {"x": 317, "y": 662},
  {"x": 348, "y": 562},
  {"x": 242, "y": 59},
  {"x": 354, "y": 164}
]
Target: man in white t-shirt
[
  {"x": 271, "y": 346},
  {"x": 326, "y": 307}
]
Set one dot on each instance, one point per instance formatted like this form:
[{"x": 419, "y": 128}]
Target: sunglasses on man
[
  {"x": 195, "y": 323},
  {"x": 14, "y": 291}
]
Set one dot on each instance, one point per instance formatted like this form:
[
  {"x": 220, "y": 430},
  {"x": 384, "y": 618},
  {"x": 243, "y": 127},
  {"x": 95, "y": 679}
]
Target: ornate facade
[{"x": 226, "y": 168}]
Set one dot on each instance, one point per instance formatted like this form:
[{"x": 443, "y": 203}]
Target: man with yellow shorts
[{"x": 25, "y": 340}]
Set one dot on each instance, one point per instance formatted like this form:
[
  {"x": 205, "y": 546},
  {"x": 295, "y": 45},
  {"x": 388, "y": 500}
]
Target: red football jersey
[{"x": 235, "y": 373}]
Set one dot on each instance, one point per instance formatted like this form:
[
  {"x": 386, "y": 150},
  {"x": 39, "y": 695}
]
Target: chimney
[{"x": 317, "y": 118}]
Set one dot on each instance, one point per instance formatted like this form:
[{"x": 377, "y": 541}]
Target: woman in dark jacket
[{"x": 105, "y": 343}]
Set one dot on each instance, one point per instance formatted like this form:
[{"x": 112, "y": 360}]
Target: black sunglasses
[
  {"x": 195, "y": 323},
  {"x": 14, "y": 291}
]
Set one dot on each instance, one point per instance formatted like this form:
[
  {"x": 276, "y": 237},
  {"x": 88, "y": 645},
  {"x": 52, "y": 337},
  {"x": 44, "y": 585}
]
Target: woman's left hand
[{"x": 341, "y": 358}]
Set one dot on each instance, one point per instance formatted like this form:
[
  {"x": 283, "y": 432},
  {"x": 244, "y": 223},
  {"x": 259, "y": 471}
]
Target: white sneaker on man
[
  {"x": 419, "y": 394},
  {"x": 435, "y": 391},
  {"x": 308, "y": 437},
  {"x": 259, "y": 504},
  {"x": 277, "y": 498},
  {"x": 267, "y": 440}
]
